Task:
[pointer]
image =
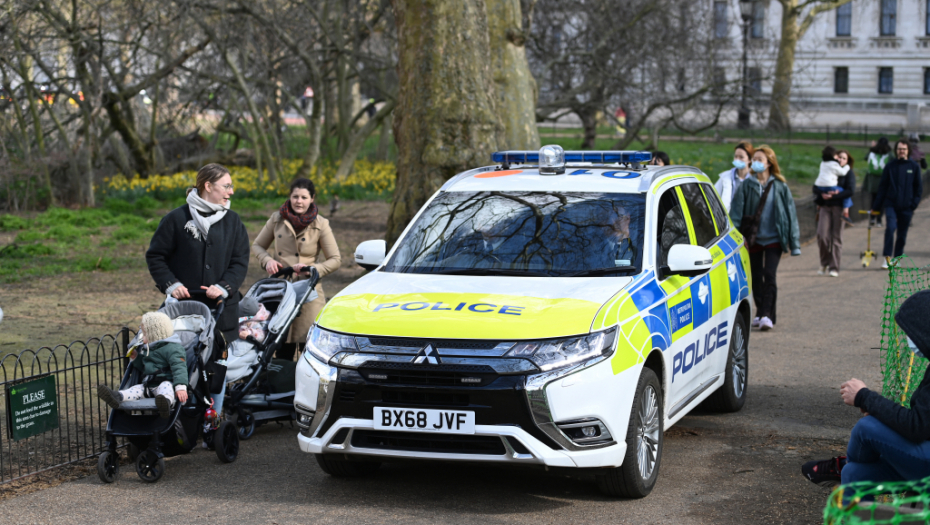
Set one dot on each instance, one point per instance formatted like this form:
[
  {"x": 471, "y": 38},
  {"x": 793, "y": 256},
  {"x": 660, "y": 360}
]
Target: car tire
[
  {"x": 732, "y": 395},
  {"x": 338, "y": 466},
  {"x": 636, "y": 477}
]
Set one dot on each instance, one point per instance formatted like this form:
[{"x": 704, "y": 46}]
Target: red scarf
[{"x": 299, "y": 222}]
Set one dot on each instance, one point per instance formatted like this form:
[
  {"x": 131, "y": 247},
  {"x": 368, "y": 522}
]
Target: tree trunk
[
  {"x": 358, "y": 141},
  {"x": 314, "y": 132},
  {"x": 780, "y": 106},
  {"x": 385, "y": 139},
  {"x": 589, "y": 123},
  {"x": 125, "y": 125},
  {"x": 516, "y": 87},
  {"x": 446, "y": 120}
]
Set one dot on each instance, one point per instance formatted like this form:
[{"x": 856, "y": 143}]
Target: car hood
[{"x": 468, "y": 307}]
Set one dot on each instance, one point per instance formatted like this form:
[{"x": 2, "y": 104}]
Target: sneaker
[
  {"x": 765, "y": 324},
  {"x": 834, "y": 273},
  {"x": 825, "y": 473},
  {"x": 821, "y": 271},
  {"x": 848, "y": 220},
  {"x": 164, "y": 406},
  {"x": 755, "y": 322},
  {"x": 885, "y": 263},
  {"x": 109, "y": 396}
]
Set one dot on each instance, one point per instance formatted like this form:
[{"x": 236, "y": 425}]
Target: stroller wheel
[
  {"x": 226, "y": 440},
  {"x": 149, "y": 466},
  {"x": 108, "y": 467},
  {"x": 246, "y": 424}
]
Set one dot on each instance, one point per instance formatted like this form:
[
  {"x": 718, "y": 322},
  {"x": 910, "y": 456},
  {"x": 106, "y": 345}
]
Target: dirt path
[{"x": 717, "y": 469}]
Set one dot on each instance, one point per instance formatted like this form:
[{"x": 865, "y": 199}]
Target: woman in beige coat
[{"x": 298, "y": 235}]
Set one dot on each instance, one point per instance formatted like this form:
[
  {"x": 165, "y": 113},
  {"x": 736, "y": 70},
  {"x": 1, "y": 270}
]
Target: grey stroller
[{"x": 261, "y": 389}]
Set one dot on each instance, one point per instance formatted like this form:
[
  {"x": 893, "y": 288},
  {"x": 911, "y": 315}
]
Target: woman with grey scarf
[{"x": 203, "y": 246}]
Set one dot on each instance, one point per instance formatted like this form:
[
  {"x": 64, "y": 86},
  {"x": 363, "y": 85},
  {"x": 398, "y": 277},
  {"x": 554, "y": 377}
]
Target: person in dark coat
[
  {"x": 891, "y": 443},
  {"x": 203, "y": 246},
  {"x": 898, "y": 195}
]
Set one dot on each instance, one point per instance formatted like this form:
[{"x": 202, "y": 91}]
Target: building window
[
  {"x": 927, "y": 81},
  {"x": 885, "y": 80},
  {"x": 889, "y": 17},
  {"x": 755, "y": 81},
  {"x": 927, "y": 15},
  {"x": 844, "y": 20},
  {"x": 757, "y": 29},
  {"x": 721, "y": 25},
  {"x": 841, "y": 80}
]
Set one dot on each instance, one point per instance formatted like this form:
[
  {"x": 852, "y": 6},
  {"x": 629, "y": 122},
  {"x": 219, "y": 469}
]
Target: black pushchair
[
  {"x": 261, "y": 389},
  {"x": 152, "y": 438}
]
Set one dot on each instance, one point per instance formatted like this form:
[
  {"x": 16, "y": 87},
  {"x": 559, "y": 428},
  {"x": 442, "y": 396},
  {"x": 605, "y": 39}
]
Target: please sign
[{"x": 32, "y": 407}]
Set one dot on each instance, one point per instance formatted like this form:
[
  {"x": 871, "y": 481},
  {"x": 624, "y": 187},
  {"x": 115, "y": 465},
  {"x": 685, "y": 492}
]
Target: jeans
[
  {"x": 900, "y": 220},
  {"x": 879, "y": 454},
  {"x": 218, "y": 400},
  {"x": 764, "y": 264},
  {"x": 847, "y": 202}
]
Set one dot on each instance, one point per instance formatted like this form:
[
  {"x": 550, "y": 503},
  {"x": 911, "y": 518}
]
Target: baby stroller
[
  {"x": 261, "y": 389},
  {"x": 152, "y": 438}
]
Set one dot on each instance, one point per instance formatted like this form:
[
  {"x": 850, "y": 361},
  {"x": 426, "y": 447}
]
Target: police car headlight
[
  {"x": 557, "y": 353},
  {"x": 323, "y": 344}
]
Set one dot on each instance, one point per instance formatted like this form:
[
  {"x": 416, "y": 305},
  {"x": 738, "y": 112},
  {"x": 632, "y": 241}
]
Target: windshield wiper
[
  {"x": 490, "y": 271},
  {"x": 600, "y": 271}
]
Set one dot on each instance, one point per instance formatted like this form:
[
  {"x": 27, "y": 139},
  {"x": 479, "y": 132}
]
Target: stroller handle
[
  {"x": 202, "y": 296},
  {"x": 285, "y": 273}
]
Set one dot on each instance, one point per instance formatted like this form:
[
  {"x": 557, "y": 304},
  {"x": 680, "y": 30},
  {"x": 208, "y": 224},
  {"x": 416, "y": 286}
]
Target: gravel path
[{"x": 738, "y": 468}]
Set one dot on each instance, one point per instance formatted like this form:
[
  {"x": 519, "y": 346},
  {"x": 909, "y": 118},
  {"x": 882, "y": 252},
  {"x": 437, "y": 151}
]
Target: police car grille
[
  {"x": 416, "y": 442},
  {"x": 426, "y": 374},
  {"x": 458, "y": 344}
]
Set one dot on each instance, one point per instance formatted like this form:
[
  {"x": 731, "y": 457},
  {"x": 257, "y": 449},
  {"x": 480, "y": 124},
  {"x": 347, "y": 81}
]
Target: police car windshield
[{"x": 557, "y": 234}]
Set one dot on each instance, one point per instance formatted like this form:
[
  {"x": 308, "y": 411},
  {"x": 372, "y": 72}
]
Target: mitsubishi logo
[{"x": 427, "y": 354}]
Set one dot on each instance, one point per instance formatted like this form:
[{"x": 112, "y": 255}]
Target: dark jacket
[
  {"x": 901, "y": 187},
  {"x": 175, "y": 255},
  {"x": 847, "y": 182},
  {"x": 746, "y": 202},
  {"x": 163, "y": 360},
  {"x": 912, "y": 423}
]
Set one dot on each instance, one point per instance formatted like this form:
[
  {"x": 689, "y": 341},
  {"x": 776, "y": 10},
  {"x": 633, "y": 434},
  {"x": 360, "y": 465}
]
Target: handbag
[{"x": 749, "y": 226}]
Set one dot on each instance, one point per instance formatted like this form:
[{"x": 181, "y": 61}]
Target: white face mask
[{"x": 913, "y": 348}]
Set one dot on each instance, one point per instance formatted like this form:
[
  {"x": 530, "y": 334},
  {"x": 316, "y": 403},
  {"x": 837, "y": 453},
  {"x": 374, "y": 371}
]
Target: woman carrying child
[
  {"x": 830, "y": 217},
  {"x": 828, "y": 178},
  {"x": 162, "y": 365}
]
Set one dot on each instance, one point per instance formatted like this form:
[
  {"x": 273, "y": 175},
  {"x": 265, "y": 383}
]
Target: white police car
[{"x": 559, "y": 309}]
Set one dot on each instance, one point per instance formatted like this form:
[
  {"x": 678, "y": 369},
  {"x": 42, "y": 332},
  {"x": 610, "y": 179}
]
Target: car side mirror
[
  {"x": 370, "y": 254},
  {"x": 689, "y": 260}
]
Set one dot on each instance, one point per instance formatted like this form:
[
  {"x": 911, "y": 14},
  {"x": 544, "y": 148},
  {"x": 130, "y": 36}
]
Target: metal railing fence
[{"x": 82, "y": 418}]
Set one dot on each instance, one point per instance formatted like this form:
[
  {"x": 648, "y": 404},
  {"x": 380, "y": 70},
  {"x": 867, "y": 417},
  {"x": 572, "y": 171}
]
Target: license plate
[{"x": 425, "y": 420}]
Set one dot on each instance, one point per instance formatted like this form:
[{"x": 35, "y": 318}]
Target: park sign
[{"x": 32, "y": 407}]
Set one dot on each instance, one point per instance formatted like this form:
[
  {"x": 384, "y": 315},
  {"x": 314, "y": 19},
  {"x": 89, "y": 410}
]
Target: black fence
[{"x": 82, "y": 418}]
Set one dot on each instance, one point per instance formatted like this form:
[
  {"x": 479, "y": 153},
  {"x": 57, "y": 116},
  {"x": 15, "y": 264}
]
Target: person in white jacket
[{"x": 729, "y": 180}]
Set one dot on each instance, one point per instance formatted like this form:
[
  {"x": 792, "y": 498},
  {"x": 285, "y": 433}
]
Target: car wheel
[
  {"x": 636, "y": 477},
  {"x": 732, "y": 395},
  {"x": 338, "y": 466}
]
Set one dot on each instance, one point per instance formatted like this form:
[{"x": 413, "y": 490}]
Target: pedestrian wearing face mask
[
  {"x": 763, "y": 211},
  {"x": 729, "y": 181},
  {"x": 891, "y": 443}
]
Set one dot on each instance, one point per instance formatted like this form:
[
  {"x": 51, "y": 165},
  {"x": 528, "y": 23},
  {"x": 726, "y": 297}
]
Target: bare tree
[{"x": 796, "y": 17}]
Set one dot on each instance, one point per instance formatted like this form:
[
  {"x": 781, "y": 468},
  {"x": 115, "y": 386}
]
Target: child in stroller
[
  {"x": 253, "y": 319},
  {"x": 162, "y": 366}
]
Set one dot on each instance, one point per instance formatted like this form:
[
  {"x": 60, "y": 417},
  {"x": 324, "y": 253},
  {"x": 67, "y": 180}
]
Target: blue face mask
[
  {"x": 757, "y": 166},
  {"x": 913, "y": 348},
  {"x": 738, "y": 164}
]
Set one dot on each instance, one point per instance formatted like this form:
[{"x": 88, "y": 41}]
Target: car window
[
  {"x": 672, "y": 228},
  {"x": 716, "y": 207},
  {"x": 526, "y": 233},
  {"x": 701, "y": 219}
]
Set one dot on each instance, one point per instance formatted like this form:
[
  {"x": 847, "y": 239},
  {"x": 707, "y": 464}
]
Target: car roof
[{"x": 580, "y": 177}]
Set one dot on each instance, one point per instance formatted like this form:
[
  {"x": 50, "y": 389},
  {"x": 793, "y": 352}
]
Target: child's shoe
[
  {"x": 164, "y": 406},
  {"x": 111, "y": 397}
]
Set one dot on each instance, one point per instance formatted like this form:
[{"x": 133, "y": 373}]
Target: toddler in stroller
[{"x": 162, "y": 365}]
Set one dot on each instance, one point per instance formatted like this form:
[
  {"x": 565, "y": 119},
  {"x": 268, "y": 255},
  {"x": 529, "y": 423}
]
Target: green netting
[
  {"x": 899, "y": 502},
  {"x": 901, "y": 372},
  {"x": 902, "y": 502}
]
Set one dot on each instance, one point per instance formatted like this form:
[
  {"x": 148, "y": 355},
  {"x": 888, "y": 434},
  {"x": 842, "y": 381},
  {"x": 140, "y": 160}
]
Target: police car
[{"x": 559, "y": 309}]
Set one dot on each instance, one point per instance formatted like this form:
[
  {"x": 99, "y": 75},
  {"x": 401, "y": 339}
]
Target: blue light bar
[{"x": 597, "y": 157}]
